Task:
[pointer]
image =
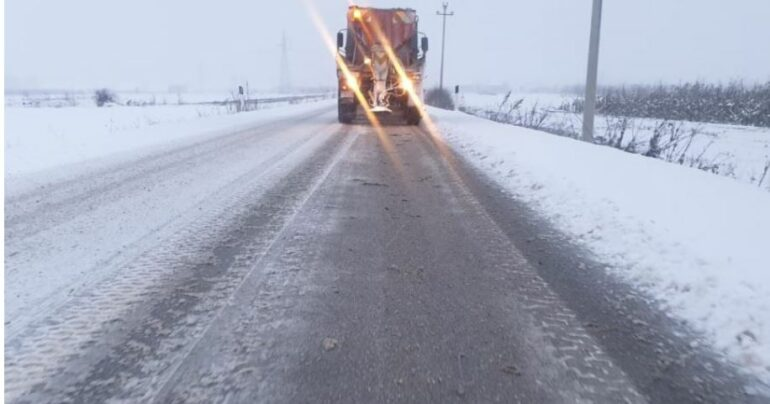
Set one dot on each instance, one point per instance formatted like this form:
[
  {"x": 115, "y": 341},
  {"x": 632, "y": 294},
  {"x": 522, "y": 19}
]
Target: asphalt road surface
[{"x": 307, "y": 261}]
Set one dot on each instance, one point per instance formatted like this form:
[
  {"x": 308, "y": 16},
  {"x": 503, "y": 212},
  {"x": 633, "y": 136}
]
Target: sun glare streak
[
  {"x": 396, "y": 63},
  {"x": 390, "y": 150},
  {"x": 349, "y": 76},
  {"x": 383, "y": 138},
  {"x": 427, "y": 122},
  {"x": 435, "y": 135},
  {"x": 430, "y": 126}
]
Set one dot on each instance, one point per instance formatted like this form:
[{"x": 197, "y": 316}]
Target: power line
[{"x": 444, "y": 15}]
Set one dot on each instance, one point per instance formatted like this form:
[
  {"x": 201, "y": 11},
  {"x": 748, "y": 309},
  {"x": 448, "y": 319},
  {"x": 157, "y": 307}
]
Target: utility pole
[
  {"x": 284, "y": 83},
  {"x": 589, "y": 104},
  {"x": 443, "y": 14}
]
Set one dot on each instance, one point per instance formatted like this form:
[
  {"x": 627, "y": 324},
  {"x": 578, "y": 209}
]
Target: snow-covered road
[{"x": 296, "y": 259}]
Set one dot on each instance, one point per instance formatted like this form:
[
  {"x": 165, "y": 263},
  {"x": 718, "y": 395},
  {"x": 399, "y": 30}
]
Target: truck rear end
[{"x": 385, "y": 54}]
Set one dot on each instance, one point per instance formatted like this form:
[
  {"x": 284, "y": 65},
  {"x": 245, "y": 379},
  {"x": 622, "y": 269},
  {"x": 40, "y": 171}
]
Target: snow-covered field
[
  {"x": 694, "y": 241},
  {"x": 491, "y": 101},
  {"x": 38, "y": 138},
  {"x": 76, "y": 98},
  {"x": 734, "y": 151}
]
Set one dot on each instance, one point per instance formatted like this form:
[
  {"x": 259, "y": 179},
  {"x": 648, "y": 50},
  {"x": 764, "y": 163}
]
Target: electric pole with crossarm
[{"x": 444, "y": 14}]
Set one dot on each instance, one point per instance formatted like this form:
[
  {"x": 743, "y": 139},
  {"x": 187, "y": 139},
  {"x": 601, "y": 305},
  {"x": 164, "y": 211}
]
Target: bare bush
[
  {"x": 509, "y": 111},
  {"x": 439, "y": 98},
  {"x": 104, "y": 96},
  {"x": 733, "y": 103},
  {"x": 764, "y": 174},
  {"x": 508, "y": 105},
  {"x": 620, "y": 133},
  {"x": 671, "y": 141},
  {"x": 533, "y": 117}
]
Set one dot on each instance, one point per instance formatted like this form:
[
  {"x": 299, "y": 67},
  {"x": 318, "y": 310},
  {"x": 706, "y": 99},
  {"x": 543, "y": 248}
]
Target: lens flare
[
  {"x": 404, "y": 77},
  {"x": 352, "y": 82},
  {"x": 349, "y": 76},
  {"x": 427, "y": 122},
  {"x": 407, "y": 85}
]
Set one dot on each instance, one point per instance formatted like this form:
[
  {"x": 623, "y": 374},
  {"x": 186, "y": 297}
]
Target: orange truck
[{"x": 385, "y": 56}]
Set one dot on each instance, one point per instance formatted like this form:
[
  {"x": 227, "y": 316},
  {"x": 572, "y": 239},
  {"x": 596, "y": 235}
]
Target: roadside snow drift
[
  {"x": 42, "y": 138},
  {"x": 734, "y": 151},
  {"x": 696, "y": 242}
]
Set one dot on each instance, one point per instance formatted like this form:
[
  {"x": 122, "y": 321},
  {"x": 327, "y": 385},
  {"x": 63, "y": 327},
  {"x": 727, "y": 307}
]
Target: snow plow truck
[{"x": 384, "y": 55}]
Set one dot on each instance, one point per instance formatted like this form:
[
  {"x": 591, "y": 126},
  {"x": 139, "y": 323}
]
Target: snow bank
[
  {"x": 696, "y": 242},
  {"x": 81, "y": 98},
  {"x": 539, "y": 100},
  {"x": 41, "y": 138},
  {"x": 735, "y": 151}
]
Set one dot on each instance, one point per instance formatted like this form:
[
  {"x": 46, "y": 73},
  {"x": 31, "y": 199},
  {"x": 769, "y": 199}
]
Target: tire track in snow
[
  {"x": 50, "y": 204},
  {"x": 108, "y": 229},
  {"x": 592, "y": 373},
  {"x": 43, "y": 363}
]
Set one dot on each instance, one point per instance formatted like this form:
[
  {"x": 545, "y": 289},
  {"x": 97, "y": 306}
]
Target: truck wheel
[
  {"x": 412, "y": 116},
  {"x": 345, "y": 116},
  {"x": 345, "y": 112}
]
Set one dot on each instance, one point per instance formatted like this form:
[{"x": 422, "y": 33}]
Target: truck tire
[
  {"x": 412, "y": 116},
  {"x": 345, "y": 112}
]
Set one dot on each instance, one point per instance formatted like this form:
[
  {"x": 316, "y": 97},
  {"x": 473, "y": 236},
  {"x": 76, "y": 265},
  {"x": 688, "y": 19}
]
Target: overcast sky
[{"x": 152, "y": 44}]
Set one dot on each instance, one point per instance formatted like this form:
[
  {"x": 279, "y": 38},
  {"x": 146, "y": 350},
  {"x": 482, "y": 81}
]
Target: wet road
[{"x": 307, "y": 261}]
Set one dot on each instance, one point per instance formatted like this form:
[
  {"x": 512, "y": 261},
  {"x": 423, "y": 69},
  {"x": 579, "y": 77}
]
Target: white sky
[{"x": 151, "y": 44}]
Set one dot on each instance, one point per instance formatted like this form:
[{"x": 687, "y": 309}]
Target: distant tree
[{"x": 104, "y": 96}]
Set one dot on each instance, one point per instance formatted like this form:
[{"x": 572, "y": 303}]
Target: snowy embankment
[
  {"x": 37, "y": 139},
  {"x": 540, "y": 100},
  {"x": 734, "y": 151},
  {"x": 696, "y": 242}
]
